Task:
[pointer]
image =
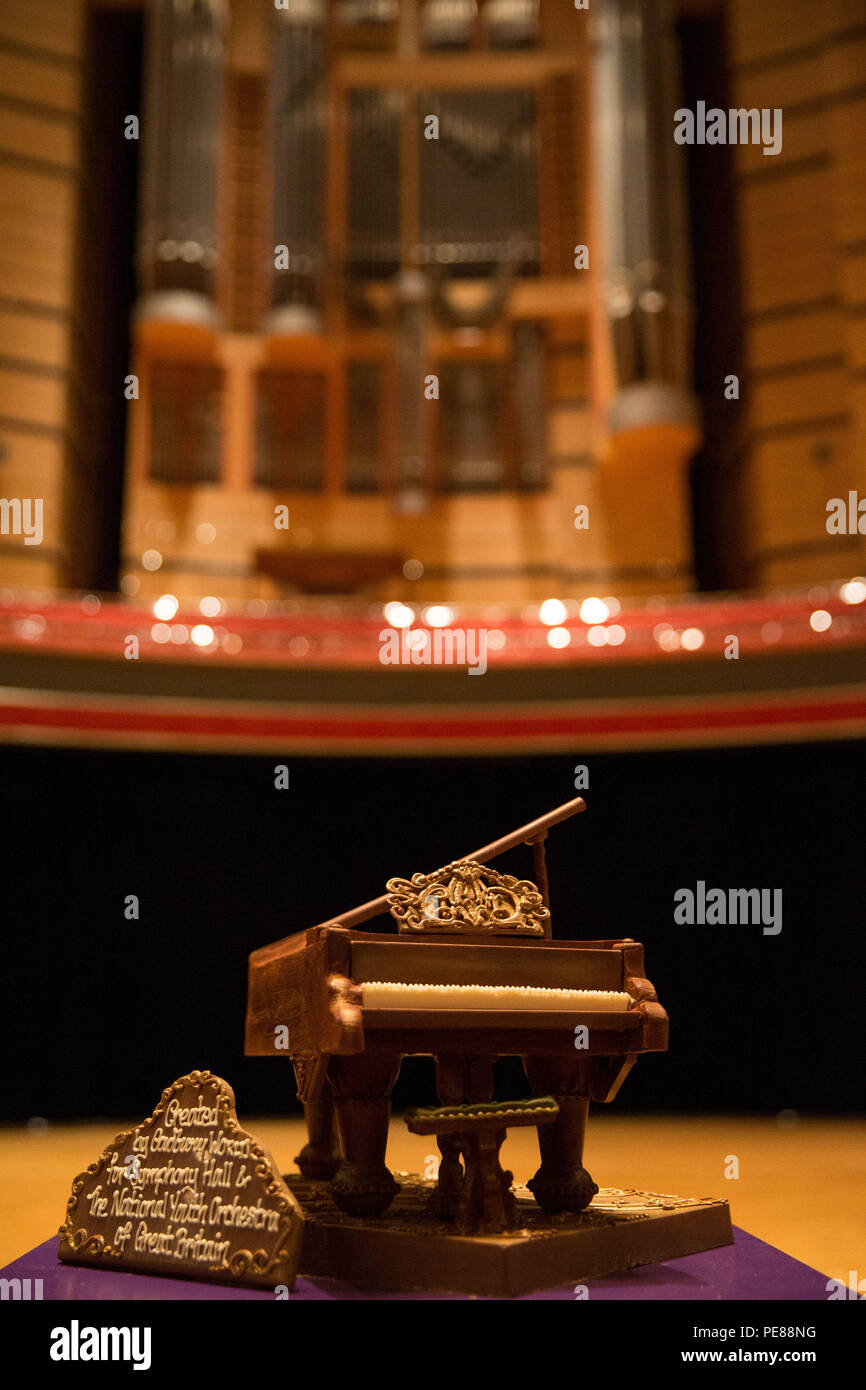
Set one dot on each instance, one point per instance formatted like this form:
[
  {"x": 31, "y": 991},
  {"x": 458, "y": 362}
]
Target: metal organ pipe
[
  {"x": 298, "y": 126},
  {"x": 413, "y": 326},
  {"x": 510, "y": 23},
  {"x": 642, "y": 205},
  {"x": 181, "y": 125},
  {"x": 448, "y": 23}
]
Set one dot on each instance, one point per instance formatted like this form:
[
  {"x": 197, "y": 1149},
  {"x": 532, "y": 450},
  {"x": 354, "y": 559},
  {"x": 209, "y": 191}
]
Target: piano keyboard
[{"x": 385, "y": 994}]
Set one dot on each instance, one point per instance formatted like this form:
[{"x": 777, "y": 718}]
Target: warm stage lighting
[
  {"x": 594, "y": 611},
  {"x": 439, "y": 615},
  {"x": 165, "y": 608},
  {"x": 854, "y": 591},
  {"x": 552, "y": 613},
  {"x": 399, "y": 614}
]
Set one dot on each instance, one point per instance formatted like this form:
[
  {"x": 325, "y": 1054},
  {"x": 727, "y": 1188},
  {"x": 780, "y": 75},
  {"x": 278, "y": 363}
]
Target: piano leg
[
  {"x": 319, "y": 1159},
  {"x": 562, "y": 1183},
  {"x": 458, "y": 1080},
  {"x": 362, "y": 1185}
]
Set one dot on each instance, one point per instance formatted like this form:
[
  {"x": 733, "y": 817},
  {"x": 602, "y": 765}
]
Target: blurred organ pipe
[
  {"x": 411, "y": 346},
  {"x": 643, "y": 217},
  {"x": 510, "y": 23},
  {"x": 531, "y": 421},
  {"x": 652, "y": 421},
  {"x": 298, "y": 125},
  {"x": 448, "y": 23},
  {"x": 180, "y": 133}
]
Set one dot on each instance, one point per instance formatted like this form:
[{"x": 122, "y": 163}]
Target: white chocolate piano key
[{"x": 387, "y": 994}]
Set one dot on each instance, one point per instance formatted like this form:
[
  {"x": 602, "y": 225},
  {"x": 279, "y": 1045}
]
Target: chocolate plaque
[{"x": 187, "y": 1192}]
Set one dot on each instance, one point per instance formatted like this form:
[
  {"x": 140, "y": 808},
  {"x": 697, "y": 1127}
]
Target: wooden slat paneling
[
  {"x": 800, "y": 396},
  {"x": 51, "y": 25},
  {"x": 33, "y": 337},
  {"x": 44, "y": 283},
  {"x": 774, "y": 27},
  {"x": 26, "y": 79},
  {"x": 28, "y": 460},
  {"x": 787, "y": 498},
  {"x": 567, "y": 376},
  {"x": 852, "y": 274},
  {"x": 39, "y": 95},
  {"x": 794, "y": 338},
  {"x": 848, "y": 132},
  {"x": 38, "y": 137},
  {"x": 789, "y": 83},
  {"x": 30, "y": 397},
  {"x": 803, "y": 137},
  {"x": 787, "y": 240},
  {"x": 568, "y": 430}
]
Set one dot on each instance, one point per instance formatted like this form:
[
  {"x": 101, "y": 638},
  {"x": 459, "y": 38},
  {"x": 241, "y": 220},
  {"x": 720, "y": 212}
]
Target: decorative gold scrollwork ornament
[{"x": 466, "y": 897}]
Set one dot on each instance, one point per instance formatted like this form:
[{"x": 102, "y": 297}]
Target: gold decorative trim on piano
[
  {"x": 467, "y": 897},
  {"x": 628, "y": 1201},
  {"x": 388, "y": 994}
]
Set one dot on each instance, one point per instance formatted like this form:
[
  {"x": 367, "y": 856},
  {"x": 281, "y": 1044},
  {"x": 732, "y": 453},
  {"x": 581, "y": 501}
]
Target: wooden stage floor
[{"x": 801, "y": 1185}]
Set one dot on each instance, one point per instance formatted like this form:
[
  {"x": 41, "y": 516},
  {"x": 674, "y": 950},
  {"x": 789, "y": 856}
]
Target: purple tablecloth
[{"x": 748, "y": 1269}]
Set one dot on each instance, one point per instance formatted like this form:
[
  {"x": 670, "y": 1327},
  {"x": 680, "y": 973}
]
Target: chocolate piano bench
[{"x": 486, "y": 1204}]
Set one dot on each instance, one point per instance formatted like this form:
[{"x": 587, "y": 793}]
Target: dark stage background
[{"x": 101, "y": 1013}]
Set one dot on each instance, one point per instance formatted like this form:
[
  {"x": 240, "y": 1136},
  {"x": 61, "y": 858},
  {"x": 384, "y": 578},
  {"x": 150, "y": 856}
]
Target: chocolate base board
[{"x": 405, "y": 1249}]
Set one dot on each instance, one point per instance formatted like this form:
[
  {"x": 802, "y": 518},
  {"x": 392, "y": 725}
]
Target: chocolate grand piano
[{"x": 472, "y": 974}]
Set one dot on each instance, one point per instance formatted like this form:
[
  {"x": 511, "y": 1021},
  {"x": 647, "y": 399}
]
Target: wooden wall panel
[
  {"x": 793, "y": 338},
  {"x": 36, "y": 136},
  {"x": 32, "y": 466},
  {"x": 45, "y": 284},
  {"x": 33, "y": 337},
  {"x": 800, "y": 396},
  {"x": 53, "y": 26},
  {"x": 33, "y": 460},
  {"x": 775, "y": 27},
  {"x": 568, "y": 376},
  {"x": 852, "y": 275},
  {"x": 787, "y": 240},
  {"x": 32, "y": 397},
  {"x": 847, "y": 126},
  {"x": 39, "y": 96},
  {"x": 568, "y": 431},
  {"x": 804, "y": 141},
  {"x": 790, "y": 81},
  {"x": 857, "y": 343},
  {"x": 42, "y": 86},
  {"x": 803, "y": 246},
  {"x": 37, "y": 204}
]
